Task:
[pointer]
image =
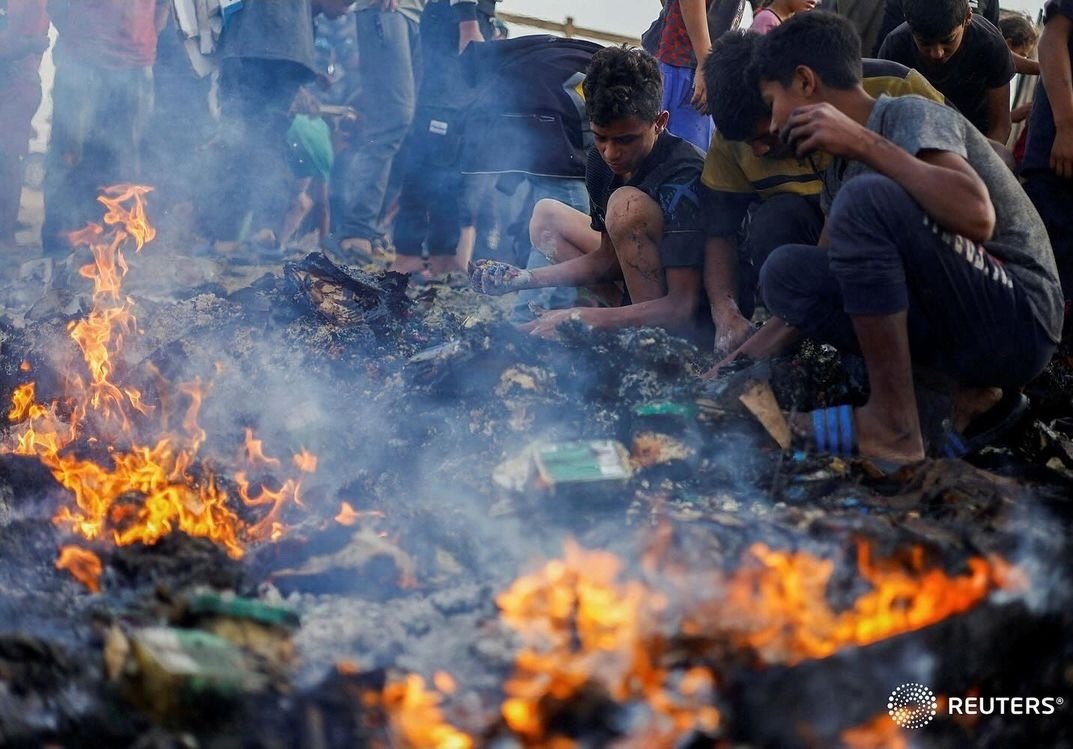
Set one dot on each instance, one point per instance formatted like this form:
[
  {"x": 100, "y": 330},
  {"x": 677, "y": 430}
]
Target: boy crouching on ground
[
  {"x": 642, "y": 246},
  {"x": 932, "y": 253}
]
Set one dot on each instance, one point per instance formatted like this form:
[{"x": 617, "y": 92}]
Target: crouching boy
[
  {"x": 933, "y": 253},
  {"x": 642, "y": 246}
]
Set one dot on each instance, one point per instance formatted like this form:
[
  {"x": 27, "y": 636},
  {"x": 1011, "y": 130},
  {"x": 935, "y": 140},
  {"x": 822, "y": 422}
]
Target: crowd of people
[{"x": 877, "y": 204}]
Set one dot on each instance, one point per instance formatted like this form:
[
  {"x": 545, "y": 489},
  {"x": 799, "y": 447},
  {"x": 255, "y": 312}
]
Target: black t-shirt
[
  {"x": 894, "y": 16},
  {"x": 981, "y": 63},
  {"x": 1041, "y": 129},
  {"x": 670, "y": 176}
]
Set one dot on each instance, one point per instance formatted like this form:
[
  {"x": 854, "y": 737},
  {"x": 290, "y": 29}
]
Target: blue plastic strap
[
  {"x": 819, "y": 429},
  {"x": 845, "y": 417},
  {"x": 834, "y": 445}
]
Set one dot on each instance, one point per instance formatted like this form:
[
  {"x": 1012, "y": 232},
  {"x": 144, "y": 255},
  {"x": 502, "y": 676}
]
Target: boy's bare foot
[
  {"x": 439, "y": 265},
  {"x": 407, "y": 264},
  {"x": 731, "y": 330},
  {"x": 876, "y": 438},
  {"x": 973, "y": 402}
]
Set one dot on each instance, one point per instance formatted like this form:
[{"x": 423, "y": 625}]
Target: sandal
[
  {"x": 833, "y": 430},
  {"x": 989, "y": 427}
]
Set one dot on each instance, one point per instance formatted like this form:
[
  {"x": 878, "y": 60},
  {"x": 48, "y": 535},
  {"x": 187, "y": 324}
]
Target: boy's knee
[
  {"x": 869, "y": 196},
  {"x": 779, "y": 277},
  {"x": 545, "y": 226},
  {"x": 630, "y": 208}
]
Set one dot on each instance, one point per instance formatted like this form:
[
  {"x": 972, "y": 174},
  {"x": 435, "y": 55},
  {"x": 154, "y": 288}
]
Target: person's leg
[
  {"x": 686, "y": 122},
  {"x": 300, "y": 208},
  {"x": 1053, "y": 197},
  {"x": 571, "y": 193},
  {"x": 20, "y": 91},
  {"x": 798, "y": 287},
  {"x": 635, "y": 225},
  {"x": 560, "y": 232},
  {"x": 415, "y": 195},
  {"x": 387, "y": 67},
  {"x": 276, "y": 84},
  {"x": 76, "y": 94},
  {"x": 918, "y": 295},
  {"x": 781, "y": 220}
]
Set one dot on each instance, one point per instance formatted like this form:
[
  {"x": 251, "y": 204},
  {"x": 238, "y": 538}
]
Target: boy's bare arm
[
  {"x": 998, "y": 111},
  {"x": 592, "y": 268},
  {"x": 673, "y": 311},
  {"x": 1057, "y": 80},
  {"x": 1024, "y": 65},
  {"x": 943, "y": 183},
  {"x": 695, "y": 16}
]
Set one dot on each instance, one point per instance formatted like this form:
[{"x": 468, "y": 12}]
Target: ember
[{"x": 83, "y": 564}]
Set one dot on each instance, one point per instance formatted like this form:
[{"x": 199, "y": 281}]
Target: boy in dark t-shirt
[
  {"x": 963, "y": 55},
  {"x": 933, "y": 255},
  {"x": 644, "y": 229},
  {"x": 1047, "y": 166}
]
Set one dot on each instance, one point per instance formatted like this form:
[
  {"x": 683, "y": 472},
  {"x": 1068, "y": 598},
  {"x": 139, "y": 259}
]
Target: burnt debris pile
[{"x": 342, "y": 494}]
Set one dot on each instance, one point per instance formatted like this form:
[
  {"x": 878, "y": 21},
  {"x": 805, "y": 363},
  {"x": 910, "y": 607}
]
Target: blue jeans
[
  {"x": 686, "y": 122},
  {"x": 573, "y": 193},
  {"x": 389, "y": 63}
]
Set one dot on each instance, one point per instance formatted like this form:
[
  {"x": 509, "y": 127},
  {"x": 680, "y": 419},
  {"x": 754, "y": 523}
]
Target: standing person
[
  {"x": 963, "y": 55},
  {"x": 1021, "y": 36},
  {"x": 23, "y": 39},
  {"x": 101, "y": 99},
  {"x": 389, "y": 61},
  {"x": 642, "y": 245},
  {"x": 777, "y": 11},
  {"x": 266, "y": 55},
  {"x": 437, "y": 206},
  {"x": 1048, "y": 163},
  {"x": 683, "y": 46},
  {"x": 933, "y": 255},
  {"x": 529, "y": 130}
]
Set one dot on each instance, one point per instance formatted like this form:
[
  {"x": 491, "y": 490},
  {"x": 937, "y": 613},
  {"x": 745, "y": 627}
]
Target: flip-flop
[
  {"x": 833, "y": 430},
  {"x": 988, "y": 427}
]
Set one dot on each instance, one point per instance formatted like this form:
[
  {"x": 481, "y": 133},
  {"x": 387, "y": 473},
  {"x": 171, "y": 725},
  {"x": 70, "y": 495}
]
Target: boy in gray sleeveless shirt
[{"x": 932, "y": 254}]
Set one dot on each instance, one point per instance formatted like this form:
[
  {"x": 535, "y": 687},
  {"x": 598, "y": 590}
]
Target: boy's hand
[
  {"x": 700, "y": 94},
  {"x": 547, "y": 323},
  {"x": 495, "y": 278},
  {"x": 821, "y": 127},
  {"x": 1062, "y": 152}
]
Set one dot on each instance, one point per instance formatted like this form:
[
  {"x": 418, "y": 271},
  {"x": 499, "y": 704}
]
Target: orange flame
[
  {"x": 253, "y": 450},
  {"x": 305, "y": 461},
  {"x": 416, "y": 718},
  {"x": 84, "y": 566},
  {"x": 779, "y": 601},
  {"x": 581, "y": 627},
  {"x": 349, "y": 516},
  {"x": 879, "y": 733},
  {"x": 146, "y": 489}
]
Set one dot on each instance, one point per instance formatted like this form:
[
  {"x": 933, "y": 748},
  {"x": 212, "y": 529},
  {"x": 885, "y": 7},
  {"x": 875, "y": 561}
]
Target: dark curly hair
[
  {"x": 623, "y": 82},
  {"x": 733, "y": 86},
  {"x": 824, "y": 42},
  {"x": 932, "y": 20}
]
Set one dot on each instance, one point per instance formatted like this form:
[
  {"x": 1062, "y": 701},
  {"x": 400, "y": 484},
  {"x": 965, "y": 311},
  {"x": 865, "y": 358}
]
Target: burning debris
[{"x": 305, "y": 512}]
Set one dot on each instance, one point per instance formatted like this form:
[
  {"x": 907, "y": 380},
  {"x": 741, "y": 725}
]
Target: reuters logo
[{"x": 912, "y": 705}]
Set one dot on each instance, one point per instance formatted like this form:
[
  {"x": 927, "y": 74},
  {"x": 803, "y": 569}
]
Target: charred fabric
[{"x": 323, "y": 509}]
